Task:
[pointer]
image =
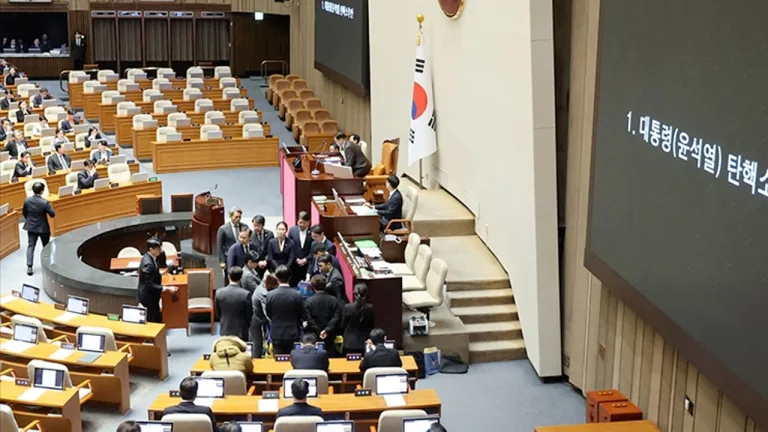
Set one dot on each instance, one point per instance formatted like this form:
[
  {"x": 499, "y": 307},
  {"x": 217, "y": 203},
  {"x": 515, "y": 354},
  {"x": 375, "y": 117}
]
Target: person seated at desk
[
  {"x": 188, "y": 393},
  {"x": 5, "y": 102},
  {"x": 37, "y": 129},
  {"x": 285, "y": 311},
  {"x": 14, "y": 146},
  {"x": 230, "y": 353},
  {"x": 318, "y": 250},
  {"x": 103, "y": 154},
  {"x": 24, "y": 166},
  {"x": 59, "y": 160},
  {"x": 4, "y": 65},
  {"x": 308, "y": 356},
  {"x": 10, "y": 79},
  {"x": 22, "y": 111},
  {"x": 300, "y": 407},
  {"x": 353, "y": 155},
  {"x": 6, "y": 130},
  {"x": 60, "y": 137},
  {"x": 232, "y": 305},
  {"x": 280, "y": 249},
  {"x": 377, "y": 354},
  {"x": 358, "y": 319},
  {"x": 37, "y": 100},
  {"x": 87, "y": 176},
  {"x": 392, "y": 208},
  {"x": 93, "y": 135},
  {"x": 318, "y": 235},
  {"x": 323, "y": 313},
  {"x": 45, "y": 44},
  {"x": 36, "y": 45},
  {"x": 129, "y": 426},
  {"x": 334, "y": 281},
  {"x": 68, "y": 124},
  {"x": 238, "y": 252}
]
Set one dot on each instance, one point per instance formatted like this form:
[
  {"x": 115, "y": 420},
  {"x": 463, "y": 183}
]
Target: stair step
[
  {"x": 474, "y": 285},
  {"x": 482, "y": 352},
  {"x": 494, "y": 331},
  {"x": 485, "y": 314},
  {"x": 486, "y": 297}
]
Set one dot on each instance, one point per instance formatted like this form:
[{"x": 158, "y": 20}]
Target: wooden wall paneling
[
  {"x": 653, "y": 372},
  {"x": 80, "y": 20},
  {"x": 637, "y": 360},
  {"x": 691, "y": 386},
  {"x": 668, "y": 368},
  {"x": 266, "y": 6},
  {"x": 627, "y": 360},
  {"x": 591, "y": 345},
  {"x": 613, "y": 341},
  {"x": 79, "y": 4},
  {"x": 707, "y": 405},
  {"x": 646, "y": 374},
  {"x": 601, "y": 364}
]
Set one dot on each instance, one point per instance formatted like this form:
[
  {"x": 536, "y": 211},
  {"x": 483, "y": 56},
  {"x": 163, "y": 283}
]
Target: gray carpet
[{"x": 505, "y": 396}]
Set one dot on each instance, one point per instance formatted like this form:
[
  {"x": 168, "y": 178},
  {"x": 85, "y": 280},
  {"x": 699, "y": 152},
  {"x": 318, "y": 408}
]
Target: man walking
[{"x": 36, "y": 211}]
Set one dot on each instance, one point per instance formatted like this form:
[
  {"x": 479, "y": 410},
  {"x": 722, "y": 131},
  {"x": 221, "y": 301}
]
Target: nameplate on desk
[
  {"x": 354, "y": 357},
  {"x": 173, "y": 393},
  {"x": 16, "y": 293},
  {"x": 153, "y": 179},
  {"x": 6, "y": 336},
  {"x": 22, "y": 382},
  {"x": 206, "y": 356},
  {"x": 67, "y": 345},
  {"x": 113, "y": 317},
  {"x": 283, "y": 357},
  {"x": 363, "y": 392},
  {"x": 270, "y": 394},
  {"x": 60, "y": 306},
  {"x": 77, "y": 192},
  {"x": 15, "y": 180},
  {"x": 114, "y": 185},
  {"x": 131, "y": 161}
]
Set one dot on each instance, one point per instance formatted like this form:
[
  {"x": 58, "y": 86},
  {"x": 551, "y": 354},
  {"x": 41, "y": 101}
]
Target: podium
[
  {"x": 208, "y": 217},
  {"x": 176, "y": 305}
]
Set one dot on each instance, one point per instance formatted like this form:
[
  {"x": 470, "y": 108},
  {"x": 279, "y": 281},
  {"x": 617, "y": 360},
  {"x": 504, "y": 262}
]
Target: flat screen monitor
[
  {"x": 288, "y": 394},
  {"x": 91, "y": 342},
  {"x": 210, "y": 387},
  {"x": 319, "y": 345},
  {"x": 30, "y": 293},
  {"x": 134, "y": 314},
  {"x": 78, "y": 305},
  {"x": 52, "y": 379},
  {"x": 419, "y": 424},
  {"x": 343, "y": 23},
  {"x": 155, "y": 426},
  {"x": 335, "y": 426},
  {"x": 250, "y": 426},
  {"x": 25, "y": 333},
  {"x": 391, "y": 384}
]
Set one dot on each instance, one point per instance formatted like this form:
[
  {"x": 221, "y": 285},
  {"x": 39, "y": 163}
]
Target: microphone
[
  {"x": 316, "y": 172},
  {"x": 322, "y": 149},
  {"x": 216, "y": 186}
]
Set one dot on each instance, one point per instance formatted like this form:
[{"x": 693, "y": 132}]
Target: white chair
[
  {"x": 169, "y": 248},
  {"x": 54, "y": 112},
  {"x": 106, "y": 97},
  {"x": 192, "y": 94},
  {"x": 8, "y": 422},
  {"x": 239, "y": 104},
  {"x": 369, "y": 379},
  {"x": 199, "y": 285},
  {"x": 119, "y": 173},
  {"x": 139, "y": 119},
  {"x": 92, "y": 87},
  {"x": 194, "y": 72},
  {"x": 104, "y": 75},
  {"x": 12, "y": 116},
  {"x": 166, "y": 72},
  {"x": 230, "y": 93},
  {"x": 131, "y": 74},
  {"x": 77, "y": 76},
  {"x": 123, "y": 85},
  {"x": 433, "y": 296},
  {"x": 211, "y": 115},
  {"x": 234, "y": 382},
  {"x": 80, "y": 139},
  {"x": 189, "y": 422},
  {"x": 320, "y": 375},
  {"x": 244, "y": 116},
  {"x": 173, "y": 118},
  {"x": 206, "y": 129},
  {"x": 253, "y": 130},
  {"x": 197, "y": 83},
  {"x": 160, "y": 83},
  {"x": 410, "y": 203},
  {"x": 129, "y": 252},
  {"x": 8, "y": 166},
  {"x": 28, "y": 187},
  {"x": 122, "y": 107},
  {"x": 411, "y": 250},
  {"x": 71, "y": 179},
  {"x": 159, "y": 105},
  {"x": 83, "y": 389},
  {"x": 46, "y": 143},
  {"x": 227, "y": 82},
  {"x": 366, "y": 149},
  {"x": 420, "y": 268},
  {"x": 31, "y": 129},
  {"x": 146, "y": 95},
  {"x": 297, "y": 424},
  {"x": 222, "y": 72},
  {"x": 24, "y": 89},
  {"x": 203, "y": 105},
  {"x": 392, "y": 420},
  {"x": 23, "y": 319},
  {"x": 162, "y": 133}
]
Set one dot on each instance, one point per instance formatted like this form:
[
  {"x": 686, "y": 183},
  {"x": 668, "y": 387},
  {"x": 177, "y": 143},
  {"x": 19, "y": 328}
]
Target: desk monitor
[
  {"x": 6, "y": 178},
  {"x": 78, "y": 305},
  {"x": 35, "y": 51},
  {"x": 9, "y": 51},
  {"x": 81, "y": 128},
  {"x": 66, "y": 190},
  {"x": 68, "y": 146},
  {"x": 335, "y": 426},
  {"x": 195, "y": 74},
  {"x": 139, "y": 177},
  {"x": 35, "y": 151},
  {"x": 141, "y": 76},
  {"x": 173, "y": 137},
  {"x": 214, "y": 134},
  {"x": 30, "y": 293},
  {"x": 25, "y": 333},
  {"x": 78, "y": 165},
  {"x": 102, "y": 183},
  {"x": 117, "y": 159},
  {"x": 4, "y": 156},
  {"x": 288, "y": 394},
  {"x": 248, "y": 426},
  {"x": 170, "y": 109},
  {"x": 91, "y": 342},
  {"x": 419, "y": 424},
  {"x": 52, "y": 379},
  {"x": 41, "y": 171},
  {"x": 210, "y": 387},
  {"x": 49, "y": 103},
  {"x": 31, "y": 118},
  {"x": 47, "y": 132},
  {"x": 13, "y": 106},
  {"x": 184, "y": 122},
  {"x": 4, "y": 209},
  {"x": 167, "y": 75},
  {"x": 391, "y": 384},
  {"x": 134, "y": 314},
  {"x": 217, "y": 120},
  {"x": 154, "y": 426},
  {"x": 20, "y": 81}
]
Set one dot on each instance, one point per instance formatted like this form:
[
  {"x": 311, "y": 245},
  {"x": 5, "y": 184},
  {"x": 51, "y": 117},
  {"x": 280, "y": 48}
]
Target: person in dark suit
[
  {"x": 22, "y": 111},
  {"x": 37, "y": 100},
  {"x": 280, "y": 250},
  {"x": 14, "y": 147},
  {"x": 233, "y": 307},
  {"x": 188, "y": 393},
  {"x": 10, "y": 79},
  {"x": 59, "y": 160},
  {"x": 77, "y": 50},
  {"x": 227, "y": 236},
  {"x": 357, "y": 321},
  {"x": 318, "y": 235},
  {"x": 334, "y": 281},
  {"x": 251, "y": 278},
  {"x": 308, "y": 356},
  {"x": 87, "y": 176},
  {"x": 316, "y": 251},
  {"x": 5, "y": 102},
  {"x": 323, "y": 312},
  {"x": 103, "y": 154},
  {"x": 353, "y": 156},
  {"x": 302, "y": 242},
  {"x": 261, "y": 238},
  {"x": 259, "y": 319},
  {"x": 238, "y": 252},
  {"x": 36, "y": 210},
  {"x": 68, "y": 124},
  {"x": 24, "y": 166},
  {"x": 129, "y": 426},
  {"x": 150, "y": 287},
  {"x": 300, "y": 407},
  {"x": 377, "y": 354},
  {"x": 286, "y": 312},
  {"x": 45, "y": 44},
  {"x": 392, "y": 208}
]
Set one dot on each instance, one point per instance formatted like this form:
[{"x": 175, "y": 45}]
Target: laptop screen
[
  {"x": 419, "y": 424},
  {"x": 49, "y": 378},
  {"x": 90, "y": 342},
  {"x": 155, "y": 426},
  {"x": 30, "y": 293},
  {"x": 391, "y": 384},
  {"x": 210, "y": 387},
  {"x": 134, "y": 314},
  {"x": 78, "y": 305},
  {"x": 25, "y": 333},
  {"x": 287, "y": 393},
  {"x": 319, "y": 345},
  {"x": 248, "y": 426},
  {"x": 389, "y": 344},
  {"x": 335, "y": 426}
]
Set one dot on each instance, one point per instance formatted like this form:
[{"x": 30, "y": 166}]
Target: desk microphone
[
  {"x": 216, "y": 186},
  {"x": 316, "y": 172}
]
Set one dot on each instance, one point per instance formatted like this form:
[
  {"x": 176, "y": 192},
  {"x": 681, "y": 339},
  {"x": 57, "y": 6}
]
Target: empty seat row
[
  {"x": 207, "y": 132},
  {"x": 107, "y": 75},
  {"x": 312, "y": 127},
  {"x": 211, "y": 118}
]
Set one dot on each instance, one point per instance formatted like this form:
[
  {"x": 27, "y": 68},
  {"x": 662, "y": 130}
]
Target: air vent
[
  {"x": 182, "y": 14},
  {"x": 212, "y": 15},
  {"x": 129, "y": 14},
  {"x": 103, "y": 14},
  {"x": 155, "y": 14}
]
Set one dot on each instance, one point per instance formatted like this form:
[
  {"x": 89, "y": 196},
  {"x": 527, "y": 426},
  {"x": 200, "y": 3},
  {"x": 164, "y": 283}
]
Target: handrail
[
  {"x": 66, "y": 72},
  {"x": 263, "y": 69}
]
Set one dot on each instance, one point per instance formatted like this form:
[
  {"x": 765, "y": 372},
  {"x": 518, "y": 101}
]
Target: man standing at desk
[
  {"x": 78, "y": 51},
  {"x": 302, "y": 241},
  {"x": 353, "y": 155},
  {"x": 88, "y": 176},
  {"x": 150, "y": 280},
  {"x": 36, "y": 211},
  {"x": 392, "y": 208},
  {"x": 227, "y": 236}
]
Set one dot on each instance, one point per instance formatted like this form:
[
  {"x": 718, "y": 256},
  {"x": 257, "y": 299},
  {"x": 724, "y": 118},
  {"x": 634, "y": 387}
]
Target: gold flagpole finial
[{"x": 420, "y": 19}]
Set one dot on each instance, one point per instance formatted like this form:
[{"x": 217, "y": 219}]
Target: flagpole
[{"x": 420, "y": 20}]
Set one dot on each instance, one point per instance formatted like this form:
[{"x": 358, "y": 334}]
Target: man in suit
[
  {"x": 233, "y": 307},
  {"x": 37, "y": 100},
  {"x": 103, "y": 154},
  {"x": 285, "y": 311},
  {"x": 59, "y": 160},
  {"x": 150, "y": 288},
  {"x": 227, "y": 236},
  {"x": 87, "y": 176},
  {"x": 251, "y": 277},
  {"x": 316, "y": 251},
  {"x": 77, "y": 50},
  {"x": 334, "y": 281},
  {"x": 261, "y": 238},
  {"x": 378, "y": 355},
  {"x": 302, "y": 240},
  {"x": 45, "y": 44},
  {"x": 237, "y": 253},
  {"x": 323, "y": 312},
  {"x": 68, "y": 124},
  {"x": 5, "y": 102},
  {"x": 300, "y": 407},
  {"x": 392, "y": 208},
  {"x": 308, "y": 356},
  {"x": 14, "y": 147},
  {"x": 353, "y": 156},
  {"x": 24, "y": 166},
  {"x": 188, "y": 393},
  {"x": 36, "y": 210},
  {"x": 318, "y": 235}
]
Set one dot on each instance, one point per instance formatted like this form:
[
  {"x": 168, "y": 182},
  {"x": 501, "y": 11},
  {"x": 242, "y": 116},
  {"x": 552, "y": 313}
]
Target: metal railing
[
  {"x": 64, "y": 77},
  {"x": 263, "y": 70}
]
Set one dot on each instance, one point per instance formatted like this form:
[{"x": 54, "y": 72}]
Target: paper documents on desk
[
  {"x": 354, "y": 200},
  {"x": 61, "y": 354},
  {"x": 267, "y": 405},
  {"x": 66, "y": 316},
  {"x": 6, "y": 299},
  {"x": 334, "y": 160},
  {"x": 15, "y": 346},
  {"x": 135, "y": 264},
  {"x": 362, "y": 210},
  {"x": 32, "y": 394},
  {"x": 380, "y": 265},
  {"x": 206, "y": 402},
  {"x": 394, "y": 400}
]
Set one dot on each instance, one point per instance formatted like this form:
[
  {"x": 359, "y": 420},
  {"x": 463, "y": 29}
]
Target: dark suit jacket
[
  {"x": 11, "y": 79},
  {"x": 189, "y": 407},
  {"x": 54, "y": 164},
  {"x": 323, "y": 313},
  {"x": 286, "y": 312},
  {"x": 236, "y": 255},
  {"x": 37, "y": 100},
  {"x": 20, "y": 115},
  {"x": 12, "y": 149},
  {"x": 391, "y": 209},
  {"x": 276, "y": 257},
  {"x": 78, "y": 52},
  {"x": 5, "y": 103},
  {"x": 21, "y": 170},
  {"x": 380, "y": 357},
  {"x": 149, "y": 279},
  {"x": 308, "y": 357},
  {"x": 355, "y": 158},
  {"x": 313, "y": 270},
  {"x": 357, "y": 326},
  {"x": 334, "y": 283},
  {"x": 85, "y": 180},
  {"x": 225, "y": 238},
  {"x": 299, "y": 409},
  {"x": 66, "y": 126},
  {"x": 300, "y": 250},
  {"x": 233, "y": 307},
  {"x": 262, "y": 243},
  {"x": 36, "y": 211}
]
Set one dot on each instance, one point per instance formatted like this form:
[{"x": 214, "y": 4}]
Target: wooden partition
[{"x": 254, "y": 41}]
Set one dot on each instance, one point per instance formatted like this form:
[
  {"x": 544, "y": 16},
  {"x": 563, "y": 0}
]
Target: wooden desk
[
  {"x": 59, "y": 410},
  {"x": 41, "y": 66},
  {"x": 143, "y": 139},
  {"x": 298, "y": 187},
  {"x": 124, "y": 124},
  {"x": 14, "y": 194},
  {"x": 124, "y": 264},
  {"x": 349, "y": 224},
  {"x": 147, "y": 341},
  {"x": 110, "y": 388},
  {"x": 20, "y": 125},
  {"x": 175, "y": 306},
  {"x": 93, "y": 206},
  {"x": 35, "y": 141},
  {"x": 196, "y": 155},
  {"x": 627, "y": 426},
  {"x": 9, "y": 232},
  {"x": 77, "y": 154},
  {"x": 364, "y": 411},
  {"x": 91, "y": 101}
]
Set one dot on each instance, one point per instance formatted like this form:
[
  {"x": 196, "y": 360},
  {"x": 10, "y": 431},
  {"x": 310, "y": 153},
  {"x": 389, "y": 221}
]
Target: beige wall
[
  {"x": 493, "y": 88},
  {"x": 636, "y": 359}
]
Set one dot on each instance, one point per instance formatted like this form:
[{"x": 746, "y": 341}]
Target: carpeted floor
[{"x": 505, "y": 396}]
